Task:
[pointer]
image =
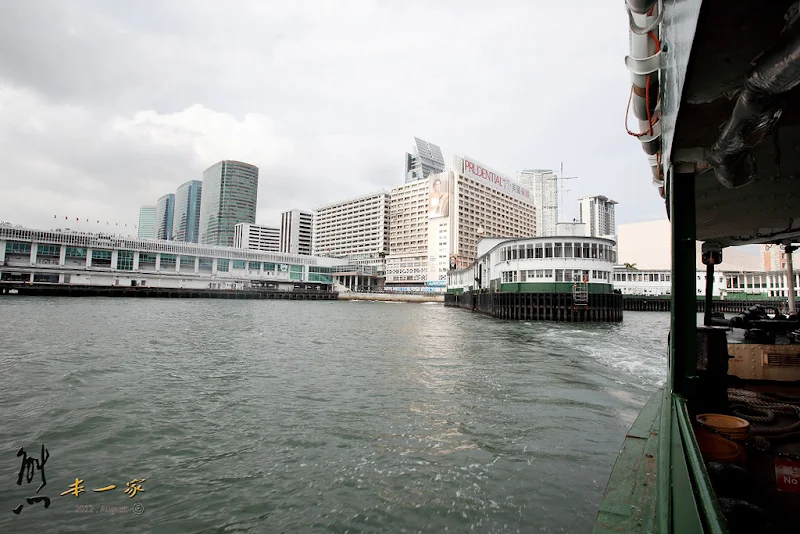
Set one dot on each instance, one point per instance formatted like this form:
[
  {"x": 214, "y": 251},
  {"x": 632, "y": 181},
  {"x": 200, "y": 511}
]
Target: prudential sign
[{"x": 481, "y": 173}]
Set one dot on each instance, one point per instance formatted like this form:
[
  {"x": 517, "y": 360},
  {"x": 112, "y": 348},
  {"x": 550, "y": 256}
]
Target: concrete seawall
[{"x": 390, "y": 297}]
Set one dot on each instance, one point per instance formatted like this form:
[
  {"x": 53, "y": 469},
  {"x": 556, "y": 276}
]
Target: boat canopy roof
[{"x": 716, "y": 89}]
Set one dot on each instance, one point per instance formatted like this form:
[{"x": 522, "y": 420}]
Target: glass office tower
[
  {"x": 164, "y": 210},
  {"x": 229, "y": 196},
  {"x": 186, "y": 220}
]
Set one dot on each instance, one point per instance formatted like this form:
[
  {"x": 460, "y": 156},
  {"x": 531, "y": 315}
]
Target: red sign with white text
[{"x": 787, "y": 475}]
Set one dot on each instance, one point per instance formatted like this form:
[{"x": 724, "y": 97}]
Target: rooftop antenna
[{"x": 562, "y": 188}]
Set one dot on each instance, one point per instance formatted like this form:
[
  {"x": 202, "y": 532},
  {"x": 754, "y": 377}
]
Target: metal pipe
[
  {"x": 790, "y": 278},
  {"x": 709, "y": 294},
  {"x": 756, "y": 112}
]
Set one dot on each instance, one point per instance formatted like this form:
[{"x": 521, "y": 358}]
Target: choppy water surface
[{"x": 269, "y": 416}]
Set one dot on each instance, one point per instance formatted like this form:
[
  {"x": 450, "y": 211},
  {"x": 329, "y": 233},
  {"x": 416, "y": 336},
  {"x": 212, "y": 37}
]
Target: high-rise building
[
  {"x": 435, "y": 224},
  {"x": 165, "y": 208},
  {"x": 186, "y": 218},
  {"x": 427, "y": 159},
  {"x": 147, "y": 222},
  {"x": 355, "y": 229},
  {"x": 598, "y": 214},
  {"x": 543, "y": 186},
  {"x": 230, "y": 190},
  {"x": 296, "y": 232},
  {"x": 257, "y": 237}
]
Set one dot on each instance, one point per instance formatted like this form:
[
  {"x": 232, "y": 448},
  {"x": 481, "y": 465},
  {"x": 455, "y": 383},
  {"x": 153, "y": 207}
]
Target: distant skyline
[{"x": 105, "y": 107}]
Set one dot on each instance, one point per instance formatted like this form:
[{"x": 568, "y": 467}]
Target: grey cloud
[{"x": 516, "y": 85}]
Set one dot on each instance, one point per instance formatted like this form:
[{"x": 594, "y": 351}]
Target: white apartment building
[
  {"x": 256, "y": 237},
  {"x": 543, "y": 186},
  {"x": 356, "y": 230},
  {"x": 436, "y": 223},
  {"x": 407, "y": 262},
  {"x": 296, "y": 232},
  {"x": 598, "y": 214}
]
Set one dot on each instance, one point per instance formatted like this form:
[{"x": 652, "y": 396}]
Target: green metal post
[
  {"x": 709, "y": 301},
  {"x": 683, "y": 357}
]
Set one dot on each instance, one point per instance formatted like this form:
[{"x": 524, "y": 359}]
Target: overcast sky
[{"x": 105, "y": 106}]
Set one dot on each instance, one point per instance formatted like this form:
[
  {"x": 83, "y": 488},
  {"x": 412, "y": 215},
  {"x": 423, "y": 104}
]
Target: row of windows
[
  {"x": 557, "y": 275},
  {"x": 23, "y": 238},
  {"x": 641, "y": 277},
  {"x": 559, "y": 250}
]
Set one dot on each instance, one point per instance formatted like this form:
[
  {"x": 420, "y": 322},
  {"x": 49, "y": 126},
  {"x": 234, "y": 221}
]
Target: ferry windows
[
  {"x": 539, "y": 273},
  {"x": 509, "y": 277},
  {"x": 548, "y": 250},
  {"x": 586, "y": 253},
  {"x": 558, "y": 251},
  {"x": 567, "y": 250},
  {"x": 529, "y": 251},
  {"x": 594, "y": 251},
  {"x": 538, "y": 251},
  {"x": 514, "y": 253},
  {"x": 548, "y": 273},
  {"x": 559, "y": 275},
  {"x": 523, "y": 276},
  {"x": 578, "y": 250}
]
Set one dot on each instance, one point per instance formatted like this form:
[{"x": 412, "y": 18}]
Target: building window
[
  {"x": 76, "y": 252},
  {"x": 101, "y": 258},
  {"x": 253, "y": 266},
  {"x": 167, "y": 260},
  {"x": 125, "y": 260},
  {"x": 48, "y": 250},
  {"x": 222, "y": 265},
  {"x": 13, "y": 247}
]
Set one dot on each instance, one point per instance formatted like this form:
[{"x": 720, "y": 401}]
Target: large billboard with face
[{"x": 439, "y": 196}]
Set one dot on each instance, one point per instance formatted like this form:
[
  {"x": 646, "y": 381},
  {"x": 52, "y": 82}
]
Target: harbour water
[{"x": 284, "y": 416}]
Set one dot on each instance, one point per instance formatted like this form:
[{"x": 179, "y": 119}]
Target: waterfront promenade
[{"x": 392, "y": 297}]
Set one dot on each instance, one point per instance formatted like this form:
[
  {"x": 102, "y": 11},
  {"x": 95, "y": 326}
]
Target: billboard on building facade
[
  {"x": 439, "y": 196},
  {"x": 484, "y": 174}
]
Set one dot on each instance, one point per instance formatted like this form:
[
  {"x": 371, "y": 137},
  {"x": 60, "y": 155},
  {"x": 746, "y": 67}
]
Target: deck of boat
[{"x": 630, "y": 498}]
